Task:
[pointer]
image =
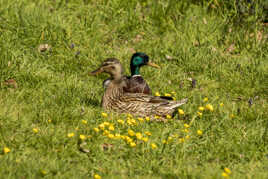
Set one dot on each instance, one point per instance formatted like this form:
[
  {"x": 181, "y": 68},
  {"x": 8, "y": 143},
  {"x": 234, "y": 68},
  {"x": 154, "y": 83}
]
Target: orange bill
[{"x": 152, "y": 64}]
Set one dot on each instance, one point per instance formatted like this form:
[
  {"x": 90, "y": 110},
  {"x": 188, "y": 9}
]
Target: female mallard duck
[
  {"x": 135, "y": 83},
  {"x": 115, "y": 98}
]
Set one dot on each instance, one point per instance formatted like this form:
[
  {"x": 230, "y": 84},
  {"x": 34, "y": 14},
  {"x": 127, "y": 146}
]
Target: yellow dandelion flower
[
  {"x": 120, "y": 121},
  {"x": 173, "y": 92},
  {"x": 181, "y": 140},
  {"x": 185, "y": 130},
  {"x": 174, "y": 99},
  {"x": 131, "y": 132},
  {"x": 123, "y": 137},
  {"x": 227, "y": 170},
  {"x": 82, "y": 137},
  {"x": 138, "y": 135},
  {"x": 43, "y": 172},
  {"x": 168, "y": 116},
  {"x": 186, "y": 125},
  {"x": 157, "y": 94},
  {"x": 148, "y": 133},
  {"x": 49, "y": 120},
  {"x": 35, "y": 130},
  {"x": 164, "y": 142},
  {"x": 111, "y": 128},
  {"x": 187, "y": 137},
  {"x": 181, "y": 112},
  {"x": 70, "y": 135},
  {"x": 209, "y": 107},
  {"x": 145, "y": 139},
  {"x": 232, "y": 116},
  {"x": 133, "y": 121},
  {"x": 221, "y": 104},
  {"x": 128, "y": 139},
  {"x": 129, "y": 122},
  {"x": 129, "y": 115},
  {"x": 147, "y": 118},
  {"x": 205, "y": 99},
  {"x": 140, "y": 119},
  {"x": 199, "y": 114},
  {"x": 156, "y": 117},
  {"x": 84, "y": 121},
  {"x": 154, "y": 146},
  {"x": 225, "y": 175},
  {"x": 132, "y": 144},
  {"x": 96, "y": 176},
  {"x": 6, "y": 150},
  {"x": 96, "y": 129},
  {"x": 102, "y": 126},
  {"x": 111, "y": 136},
  {"x": 105, "y": 132},
  {"x": 104, "y": 114},
  {"x": 201, "y": 108},
  {"x": 167, "y": 94},
  {"x": 117, "y": 136},
  {"x": 106, "y": 123},
  {"x": 199, "y": 132}
]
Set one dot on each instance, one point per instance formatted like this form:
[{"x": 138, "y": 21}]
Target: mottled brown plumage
[{"x": 139, "y": 104}]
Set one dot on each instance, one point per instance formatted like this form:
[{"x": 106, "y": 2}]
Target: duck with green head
[
  {"x": 117, "y": 99},
  {"x": 135, "y": 82}
]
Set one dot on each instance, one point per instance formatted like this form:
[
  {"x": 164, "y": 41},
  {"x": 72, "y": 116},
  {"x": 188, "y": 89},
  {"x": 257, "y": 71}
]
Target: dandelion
[
  {"x": 138, "y": 135},
  {"x": 199, "y": 114},
  {"x": 199, "y": 132},
  {"x": 157, "y": 94},
  {"x": 120, "y": 121},
  {"x": 111, "y": 136},
  {"x": 106, "y": 123},
  {"x": 186, "y": 125},
  {"x": 164, "y": 142},
  {"x": 225, "y": 175},
  {"x": 131, "y": 132},
  {"x": 209, "y": 107},
  {"x": 111, "y": 128},
  {"x": 147, "y": 118},
  {"x": 170, "y": 138},
  {"x": 174, "y": 99},
  {"x": 128, "y": 139},
  {"x": 132, "y": 144},
  {"x": 43, "y": 172},
  {"x": 232, "y": 116},
  {"x": 140, "y": 119},
  {"x": 133, "y": 121},
  {"x": 84, "y": 121},
  {"x": 185, "y": 130},
  {"x": 105, "y": 132},
  {"x": 35, "y": 130},
  {"x": 227, "y": 170},
  {"x": 168, "y": 116},
  {"x": 129, "y": 115},
  {"x": 221, "y": 104},
  {"x": 96, "y": 176},
  {"x": 148, "y": 133},
  {"x": 145, "y": 139},
  {"x": 96, "y": 129},
  {"x": 167, "y": 94},
  {"x": 156, "y": 117},
  {"x": 181, "y": 140},
  {"x": 49, "y": 120},
  {"x": 154, "y": 146},
  {"x": 187, "y": 137},
  {"x": 82, "y": 137},
  {"x": 104, "y": 114},
  {"x": 6, "y": 150},
  {"x": 102, "y": 126},
  {"x": 205, "y": 99},
  {"x": 201, "y": 108},
  {"x": 70, "y": 135},
  {"x": 117, "y": 136},
  {"x": 181, "y": 112}
]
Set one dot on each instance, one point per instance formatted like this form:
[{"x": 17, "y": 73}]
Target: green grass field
[{"x": 49, "y": 105}]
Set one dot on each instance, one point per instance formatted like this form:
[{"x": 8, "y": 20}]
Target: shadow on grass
[{"x": 90, "y": 102}]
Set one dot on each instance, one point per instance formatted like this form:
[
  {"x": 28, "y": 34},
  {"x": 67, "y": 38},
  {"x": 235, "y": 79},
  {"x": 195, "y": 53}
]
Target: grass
[{"x": 51, "y": 94}]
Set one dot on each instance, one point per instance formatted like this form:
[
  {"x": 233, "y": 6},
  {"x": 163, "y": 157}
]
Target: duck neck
[{"x": 135, "y": 70}]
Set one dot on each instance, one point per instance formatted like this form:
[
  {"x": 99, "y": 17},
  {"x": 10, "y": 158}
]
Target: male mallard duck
[
  {"x": 135, "y": 82},
  {"x": 139, "y": 104}
]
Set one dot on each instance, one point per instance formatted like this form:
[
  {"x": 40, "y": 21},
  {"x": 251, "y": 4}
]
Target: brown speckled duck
[{"x": 139, "y": 104}]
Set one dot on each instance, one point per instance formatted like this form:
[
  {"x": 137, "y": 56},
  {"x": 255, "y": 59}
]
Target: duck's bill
[
  {"x": 152, "y": 64},
  {"x": 96, "y": 72}
]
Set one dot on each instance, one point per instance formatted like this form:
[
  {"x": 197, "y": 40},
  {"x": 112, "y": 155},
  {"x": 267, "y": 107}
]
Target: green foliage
[{"x": 44, "y": 96}]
